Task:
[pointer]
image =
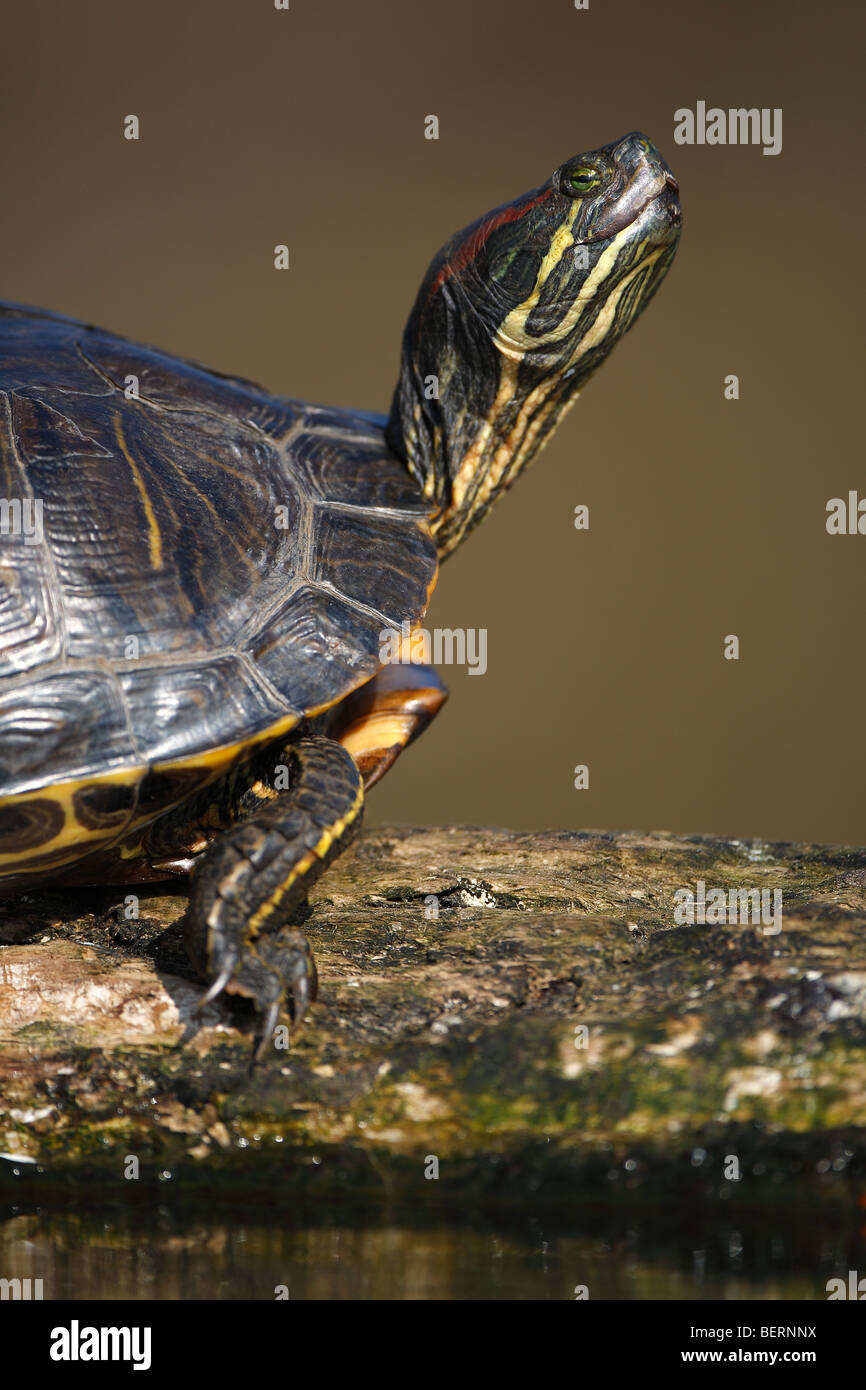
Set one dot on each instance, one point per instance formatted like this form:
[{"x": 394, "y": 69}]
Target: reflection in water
[{"x": 334, "y": 1253}]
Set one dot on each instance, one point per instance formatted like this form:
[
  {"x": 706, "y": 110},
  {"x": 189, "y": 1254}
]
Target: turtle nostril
[{"x": 670, "y": 182}]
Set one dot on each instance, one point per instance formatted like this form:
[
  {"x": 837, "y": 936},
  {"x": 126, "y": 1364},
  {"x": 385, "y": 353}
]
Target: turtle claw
[
  {"x": 264, "y": 1032},
  {"x": 269, "y": 969},
  {"x": 252, "y": 881},
  {"x": 284, "y": 968},
  {"x": 304, "y": 989},
  {"x": 215, "y": 989}
]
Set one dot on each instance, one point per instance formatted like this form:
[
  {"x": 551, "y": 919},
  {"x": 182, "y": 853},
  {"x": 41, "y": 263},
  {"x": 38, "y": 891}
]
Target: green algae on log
[{"x": 487, "y": 998}]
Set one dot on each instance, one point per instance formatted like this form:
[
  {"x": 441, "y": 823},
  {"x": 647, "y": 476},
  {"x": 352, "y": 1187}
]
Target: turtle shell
[{"x": 188, "y": 567}]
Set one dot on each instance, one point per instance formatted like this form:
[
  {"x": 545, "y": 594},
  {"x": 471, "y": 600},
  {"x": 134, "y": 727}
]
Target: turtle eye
[{"x": 583, "y": 178}]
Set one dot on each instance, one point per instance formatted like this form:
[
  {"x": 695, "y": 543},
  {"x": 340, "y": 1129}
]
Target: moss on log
[{"x": 552, "y": 1019}]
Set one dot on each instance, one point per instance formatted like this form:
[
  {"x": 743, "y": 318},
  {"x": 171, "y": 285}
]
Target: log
[{"x": 500, "y": 1006}]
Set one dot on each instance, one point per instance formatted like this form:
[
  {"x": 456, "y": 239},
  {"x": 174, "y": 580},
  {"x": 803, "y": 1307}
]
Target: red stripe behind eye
[{"x": 469, "y": 249}]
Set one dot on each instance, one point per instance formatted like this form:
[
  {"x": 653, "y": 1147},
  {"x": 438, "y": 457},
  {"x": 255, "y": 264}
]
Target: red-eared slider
[{"x": 198, "y": 577}]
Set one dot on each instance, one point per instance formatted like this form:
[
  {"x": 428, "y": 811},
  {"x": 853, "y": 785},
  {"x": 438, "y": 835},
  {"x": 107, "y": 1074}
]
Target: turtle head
[{"x": 515, "y": 312}]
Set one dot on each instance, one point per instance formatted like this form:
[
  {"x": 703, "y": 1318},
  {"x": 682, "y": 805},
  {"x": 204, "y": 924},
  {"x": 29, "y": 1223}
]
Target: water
[{"x": 335, "y": 1251}]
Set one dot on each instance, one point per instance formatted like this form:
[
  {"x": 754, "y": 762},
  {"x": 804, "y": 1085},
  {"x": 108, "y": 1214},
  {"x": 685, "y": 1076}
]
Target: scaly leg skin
[
  {"x": 253, "y": 878},
  {"x": 250, "y": 880}
]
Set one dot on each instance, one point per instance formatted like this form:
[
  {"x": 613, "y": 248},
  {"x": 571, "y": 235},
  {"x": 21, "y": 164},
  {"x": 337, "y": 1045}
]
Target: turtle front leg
[{"x": 251, "y": 880}]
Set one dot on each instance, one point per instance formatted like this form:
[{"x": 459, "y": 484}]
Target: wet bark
[{"x": 497, "y": 1001}]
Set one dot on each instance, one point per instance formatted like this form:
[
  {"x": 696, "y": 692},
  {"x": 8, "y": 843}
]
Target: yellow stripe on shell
[
  {"x": 155, "y": 539},
  {"x": 72, "y": 834}
]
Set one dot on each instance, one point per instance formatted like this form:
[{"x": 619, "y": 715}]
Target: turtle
[{"x": 201, "y": 581}]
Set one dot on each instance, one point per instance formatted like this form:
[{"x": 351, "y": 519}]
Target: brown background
[{"x": 707, "y": 517}]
